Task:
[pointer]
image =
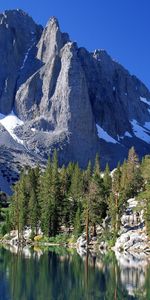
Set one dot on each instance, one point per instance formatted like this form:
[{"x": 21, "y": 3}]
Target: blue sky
[{"x": 122, "y": 27}]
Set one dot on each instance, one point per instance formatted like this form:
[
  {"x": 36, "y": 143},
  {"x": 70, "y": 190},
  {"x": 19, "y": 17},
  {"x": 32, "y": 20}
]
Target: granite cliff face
[{"x": 56, "y": 95}]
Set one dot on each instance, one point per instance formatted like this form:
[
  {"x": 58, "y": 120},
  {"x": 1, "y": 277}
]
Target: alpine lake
[{"x": 57, "y": 273}]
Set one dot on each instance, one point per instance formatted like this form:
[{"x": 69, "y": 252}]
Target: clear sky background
[{"x": 122, "y": 27}]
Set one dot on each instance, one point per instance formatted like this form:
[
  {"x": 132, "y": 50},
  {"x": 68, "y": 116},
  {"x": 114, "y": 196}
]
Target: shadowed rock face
[
  {"x": 18, "y": 34},
  {"x": 64, "y": 95}
]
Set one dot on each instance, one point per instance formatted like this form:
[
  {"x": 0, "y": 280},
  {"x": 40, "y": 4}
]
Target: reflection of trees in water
[{"x": 60, "y": 275}]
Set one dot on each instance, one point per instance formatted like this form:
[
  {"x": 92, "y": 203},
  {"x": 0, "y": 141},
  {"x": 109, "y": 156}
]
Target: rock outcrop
[
  {"x": 66, "y": 97},
  {"x": 133, "y": 237}
]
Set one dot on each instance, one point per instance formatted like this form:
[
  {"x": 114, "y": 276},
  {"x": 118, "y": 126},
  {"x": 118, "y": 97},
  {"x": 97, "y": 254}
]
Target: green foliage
[
  {"x": 107, "y": 182},
  {"x": 95, "y": 205},
  {"x": 78, "y": 227},
  {"x": 127, "y": 182},
  {"x": 58, "y": 239},
  {"x": 70, "y": 199},
  {"x": 134, "y": 176}
]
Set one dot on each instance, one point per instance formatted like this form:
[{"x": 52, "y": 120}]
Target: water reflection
[
  {"x": 133, "y": 272},
  {"x": 55, "y": 273}
]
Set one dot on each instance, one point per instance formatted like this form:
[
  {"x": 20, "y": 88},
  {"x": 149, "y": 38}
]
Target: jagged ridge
[{"x": 79, "y": 102}]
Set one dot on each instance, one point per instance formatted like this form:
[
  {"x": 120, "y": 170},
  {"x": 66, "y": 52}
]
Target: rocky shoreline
[{"x": 133, "y": 239}]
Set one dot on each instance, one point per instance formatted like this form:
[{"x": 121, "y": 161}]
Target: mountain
[{"x": 54, "y": 94}]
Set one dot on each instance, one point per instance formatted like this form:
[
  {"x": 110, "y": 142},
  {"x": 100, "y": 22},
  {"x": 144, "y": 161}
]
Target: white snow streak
[
  {"x": 10, "y": 122},
  {"x": 126, "y": 134},
  {"x": 145, "y": 101},
  {"x": 147, "y": 125},
  {"x": 6, "y": 85},
  {"x": 102, "y": 134},
  {"x": 25, "y": 58},
  {"x": 141, "y": 132}
]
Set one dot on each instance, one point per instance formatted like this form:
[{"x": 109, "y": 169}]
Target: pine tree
[
  {"x": 97, "y": 166},
  {"x": 75, "y": 192},
  {"x": 87, "y": 177},
  {"x": 78, "y": 228},
  {"x": 46, "y": 200},
  {"x": 146, "y": 206},
  {"x": 124, "y": 178},
  {"x": 19, "y": 205},
  {"x": 115, "y": 206},
  {"x": 55, "y": 196},
  {"x": 113, "y": 212},
  {"x": 107, "y": 180},
  {"x": 34, "y": 205},
  {"x": 98, "y": 206},
  {"x": 95, "y": 207},
  {"x": 134, "y": 176},
  {"x": 144, "y": 195},
  {"x": 96, "y": 203},
  {"x": 23, "y": 202},
  {"x": 65, "y": 203}
]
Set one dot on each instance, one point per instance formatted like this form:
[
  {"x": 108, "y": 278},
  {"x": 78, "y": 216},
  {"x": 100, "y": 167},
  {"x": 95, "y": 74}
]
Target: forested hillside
[{"x": 70, "y": 200}]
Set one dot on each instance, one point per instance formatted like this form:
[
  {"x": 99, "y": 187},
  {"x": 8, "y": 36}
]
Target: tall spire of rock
[{"x": 52, "y": 40}]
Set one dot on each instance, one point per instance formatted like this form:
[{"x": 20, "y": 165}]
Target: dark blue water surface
[{"x": 58, "y": 274}]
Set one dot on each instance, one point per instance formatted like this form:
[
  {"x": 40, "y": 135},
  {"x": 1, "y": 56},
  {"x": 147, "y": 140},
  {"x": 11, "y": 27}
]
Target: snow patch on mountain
[
  {"x": 102, "y": 134},
  {"x": 141, "y": 132},
  {"x": 147, "y": 125},
  {"x": 33, "y": 129},
  {"x": 145, "y": 100},
  {"x": 26, "y": 56},
  {"x": 126, "y": 134},
  {"x": 10, "y": 122}
]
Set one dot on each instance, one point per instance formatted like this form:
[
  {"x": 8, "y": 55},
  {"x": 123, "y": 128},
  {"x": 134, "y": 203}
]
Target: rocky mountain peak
[
  {"x": 51, "y": 42},
  {"x": 18, "y": 34},
  {"x": 53, "y": 21},
  {"x": 65, "y": 97}
]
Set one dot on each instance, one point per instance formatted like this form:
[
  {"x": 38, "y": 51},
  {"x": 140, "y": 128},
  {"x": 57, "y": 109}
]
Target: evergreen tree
[
  {"x": 144, "y": 195},
  {"x": 55, "y": 196},
  {"x": 78, "y": 228},
  {"x": 46, "y": 200},
  {"x": 19, "y": 205},
  {"x": 97, "y": 166},
  {"x": 23, "y": 202},
  {"x": 124, "y": 178},
  {"x": 115, "y": 204},
  {"x": 87, "y": 175},
  {"x": 95, "y": 207},
  {"x": 66, "y": 201},
  {"x": 96, "y": 203},
  {"x": 34, "y": 205},
  {"x": 107, "y": 180},
  {"x": 75, "y": 192},
  {"x": 134, "y": 176},
  {"x": 145, "y": 204}
]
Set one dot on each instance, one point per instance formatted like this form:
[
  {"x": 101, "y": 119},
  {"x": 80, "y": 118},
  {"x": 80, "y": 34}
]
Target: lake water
[{"x": 58, "y": 274}]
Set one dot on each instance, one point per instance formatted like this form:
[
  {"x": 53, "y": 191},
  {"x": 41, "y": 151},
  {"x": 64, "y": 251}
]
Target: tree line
[{"x": 69, "y": 198}]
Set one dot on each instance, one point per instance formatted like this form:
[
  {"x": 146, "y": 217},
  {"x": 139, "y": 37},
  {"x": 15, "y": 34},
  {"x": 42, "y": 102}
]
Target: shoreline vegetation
[{"x": 86, "y": 209}]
